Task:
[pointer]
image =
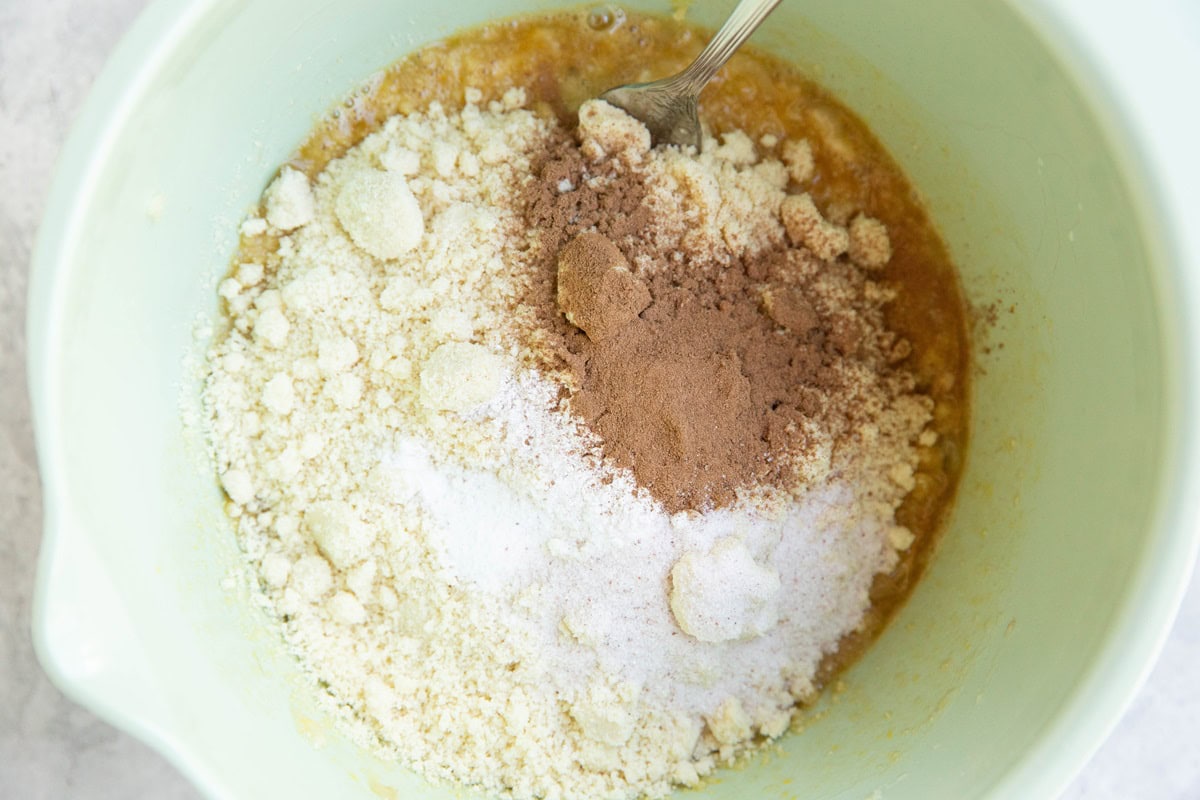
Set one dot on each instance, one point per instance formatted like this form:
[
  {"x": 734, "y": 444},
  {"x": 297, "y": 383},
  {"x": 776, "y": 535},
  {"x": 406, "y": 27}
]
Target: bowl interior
[{"x": 985, "y": 682}]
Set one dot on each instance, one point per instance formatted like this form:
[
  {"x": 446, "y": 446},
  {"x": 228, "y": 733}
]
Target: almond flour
[{"x": 468, "y": 559}]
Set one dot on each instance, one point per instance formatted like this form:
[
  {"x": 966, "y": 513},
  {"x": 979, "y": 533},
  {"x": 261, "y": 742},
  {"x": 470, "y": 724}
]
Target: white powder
[{"x": 484, "y": 598}]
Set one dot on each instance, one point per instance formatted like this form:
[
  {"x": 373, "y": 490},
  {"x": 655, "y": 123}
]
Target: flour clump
[
  {"x": 724, "y": 595},
  {"x": 380, "y": 213}
]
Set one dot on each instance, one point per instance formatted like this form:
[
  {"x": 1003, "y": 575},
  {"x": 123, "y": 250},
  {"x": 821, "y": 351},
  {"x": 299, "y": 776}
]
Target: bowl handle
[{"x": 84, "y": 638}]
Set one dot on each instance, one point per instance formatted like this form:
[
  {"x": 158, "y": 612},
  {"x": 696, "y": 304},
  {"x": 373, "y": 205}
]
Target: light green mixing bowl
[{"x": 1072, "y": 538}]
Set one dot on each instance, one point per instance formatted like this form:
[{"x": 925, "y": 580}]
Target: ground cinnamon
[
  {"x": 697, "y": 371},
  {"x": 597, "y": 292}
]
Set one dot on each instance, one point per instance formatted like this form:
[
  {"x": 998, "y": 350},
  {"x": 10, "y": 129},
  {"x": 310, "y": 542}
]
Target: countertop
[{"x": 50, "y": 51}]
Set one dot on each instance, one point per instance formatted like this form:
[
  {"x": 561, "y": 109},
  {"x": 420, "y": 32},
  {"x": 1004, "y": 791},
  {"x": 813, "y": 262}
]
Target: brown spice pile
[{"x": 695, "y": 364}]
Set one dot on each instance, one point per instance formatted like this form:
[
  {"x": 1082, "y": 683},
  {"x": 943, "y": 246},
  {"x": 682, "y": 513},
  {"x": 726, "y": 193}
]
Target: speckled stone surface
[{"x": 50, "y": 51}]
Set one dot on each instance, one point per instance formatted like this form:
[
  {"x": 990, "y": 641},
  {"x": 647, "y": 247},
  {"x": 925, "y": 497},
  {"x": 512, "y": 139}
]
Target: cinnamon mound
[{"x": 704, "y": 367}]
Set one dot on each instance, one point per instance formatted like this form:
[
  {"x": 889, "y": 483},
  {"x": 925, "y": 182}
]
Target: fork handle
[{"x": 748, "y": 15}]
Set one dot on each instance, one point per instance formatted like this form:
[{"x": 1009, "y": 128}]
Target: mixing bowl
[{"x": 1071, "y": 540}]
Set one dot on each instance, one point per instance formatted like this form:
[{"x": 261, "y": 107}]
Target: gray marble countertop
[{"x": 50, "y": 51}]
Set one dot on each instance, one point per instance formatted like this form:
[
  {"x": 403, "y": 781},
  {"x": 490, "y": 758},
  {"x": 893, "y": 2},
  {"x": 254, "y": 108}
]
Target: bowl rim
[
  {"x": 102, "y": 117},
  {"x": 1067, "y": 28},
  {"x": 1090, "y": 43}
]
